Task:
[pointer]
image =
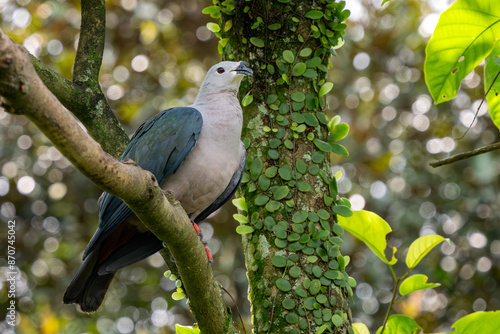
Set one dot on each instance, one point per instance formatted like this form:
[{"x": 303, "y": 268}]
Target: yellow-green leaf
[
  {"x": 371, "y": 229},
  {"x": 465, "y": 35},
  {"x": 420, "y": 247},
  {"x": 360, "y": 328},
  {"x": 244, "y": 229},
  {"x": 240, "y": 204},
  {"x": 187, "y": 329},
  {"x": 492, "y": 79},
  {"x": 414, "y": 283},
  {"x": 240, "y": 218},
  {"x": 478, "y": 323},
  {"x": 213, "y": 27},
  {"x": 325, "y": 89},
  {"x": 257, "y": 42},
  {"x": 288, "y": 56},
  {"x": 397, "y": 324}
]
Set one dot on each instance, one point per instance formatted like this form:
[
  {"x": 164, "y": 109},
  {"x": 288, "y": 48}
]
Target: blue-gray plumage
[{"x": 195, "y": 152}]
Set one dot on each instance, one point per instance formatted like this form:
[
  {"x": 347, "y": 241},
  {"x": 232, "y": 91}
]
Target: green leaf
[
  {"x": 280, "y": 192},
  {"x": 414, "y": 283},
  {"x": 398, "y": 324},
  {"x": 322, "y": 145},
  {"x": 299, "y": 216},
  {"x": 311, "y": 74},
  {"x": 339, "y": 131},
  {"x": 339, "y": 150},
  {"x": 342, "y": 210},
  {"x": 240, "y": 218},
  {"x": 247, "y": 100},
  {"x": 299, "y": 69},
  {"x": 264, "y": 182},
  {"x": 321, "y": 329},
  {"x": 256, "y": 168},
  {"x": 496, "y": 59},
  {"x": 288, "y": 56},
  {"x": 360, "y": 328},
  {"x": 337, "y": 320},
  {"x": 240, "y": 204},
  {"x": 283, "y": 284},
  {"x": 279, "y": 261},
  {"x": 478, "y": 323},
  {"x": 272, "y": 206},
  {"x": 186, "y": 329},
  {"x": 298, "y": 96},
  {"x": 464, "y": 36},
  {"x": 244, "y": 229},
  {"x": 274, "y": 26},
  {"x": 420, "y": 247},
  {"x": 491, "y": 70},
  {"x": 178, "y": 295},
  {"x": 261, "y": 200},
  {"x": 213, "y": 27},
  {"x": 313, "y": 62},
  {"x": 325, "y": 89},
  {"x": 314, "y": 14},
  {"x": 306, "y": 52},
  {"x": 303, "y": 186},
  {"x": 370, "y": 229},
  {"x": 257, "y": 42},
  {"x": 284, "y": 173}
]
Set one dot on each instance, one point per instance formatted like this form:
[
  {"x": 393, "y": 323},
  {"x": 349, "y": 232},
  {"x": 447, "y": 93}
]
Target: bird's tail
[{"x": 88, "y": 288}]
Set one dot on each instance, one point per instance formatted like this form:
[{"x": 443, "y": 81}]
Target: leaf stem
[{"x": 397, "y": 282}]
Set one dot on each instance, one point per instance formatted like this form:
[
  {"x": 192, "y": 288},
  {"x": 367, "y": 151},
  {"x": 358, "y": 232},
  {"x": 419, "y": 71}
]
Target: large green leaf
[
  {"x": 420, "y": 247},
  {"x": 414, "y": 283},
  {"x": 491, "y": 70},
  {"x": 369, "y": 228},
  {"x": 465, "y": 35},
  {"x": 479, "y": 322},
  {"x": 398, "y": 324}
]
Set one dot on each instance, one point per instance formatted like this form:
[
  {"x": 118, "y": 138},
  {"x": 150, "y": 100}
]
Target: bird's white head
[{"x": 223, "y": 77}]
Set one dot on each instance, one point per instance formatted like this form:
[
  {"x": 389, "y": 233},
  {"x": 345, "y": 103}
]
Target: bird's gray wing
[
  {"x": 159, "y": 146},
  {"x": 227, "y": 193}
]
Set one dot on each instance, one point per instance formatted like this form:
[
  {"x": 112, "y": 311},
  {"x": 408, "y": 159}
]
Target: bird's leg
[{"x": 200, "y": 234}]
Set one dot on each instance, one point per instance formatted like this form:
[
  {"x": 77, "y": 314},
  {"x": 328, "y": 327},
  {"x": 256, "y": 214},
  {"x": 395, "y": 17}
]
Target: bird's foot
[{"x": 200, "y": 234}]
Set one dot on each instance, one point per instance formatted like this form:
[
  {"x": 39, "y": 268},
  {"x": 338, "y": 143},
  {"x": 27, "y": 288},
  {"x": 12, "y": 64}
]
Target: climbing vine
[{"x": 289, "y": 200}]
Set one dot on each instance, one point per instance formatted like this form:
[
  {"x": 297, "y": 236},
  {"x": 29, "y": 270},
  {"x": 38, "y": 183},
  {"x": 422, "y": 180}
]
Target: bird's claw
[{"x": 200, "y": 234}]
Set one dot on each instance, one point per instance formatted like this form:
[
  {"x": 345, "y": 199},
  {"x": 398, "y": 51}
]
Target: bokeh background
[{"x": 156, "y": 55}]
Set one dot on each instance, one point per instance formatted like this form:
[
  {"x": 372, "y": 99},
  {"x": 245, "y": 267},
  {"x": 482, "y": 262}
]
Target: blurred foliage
[
  {"x": 396, "y": 130},
  {"x": 156, "y": 55}
]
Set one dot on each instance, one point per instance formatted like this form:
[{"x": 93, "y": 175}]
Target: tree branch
[
  {"x": 89, "y": 106},
  {"x": 91, "y": 44},
  {"x": 465, "y": 155},
  {"x": 22, "y": 92}
]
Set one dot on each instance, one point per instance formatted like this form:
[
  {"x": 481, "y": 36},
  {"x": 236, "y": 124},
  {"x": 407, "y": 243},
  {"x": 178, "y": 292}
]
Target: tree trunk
[{"x": 288, "y": 198}]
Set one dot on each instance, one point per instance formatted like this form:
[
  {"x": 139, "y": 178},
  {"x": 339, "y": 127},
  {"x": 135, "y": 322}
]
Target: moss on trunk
[{"x": 288, "y": 197}]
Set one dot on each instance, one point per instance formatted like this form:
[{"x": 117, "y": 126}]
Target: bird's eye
[{"x": 220, "y": 70}]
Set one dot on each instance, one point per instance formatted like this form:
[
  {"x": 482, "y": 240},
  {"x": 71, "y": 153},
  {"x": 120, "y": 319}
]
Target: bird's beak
[{"x": 243, "y": 69}]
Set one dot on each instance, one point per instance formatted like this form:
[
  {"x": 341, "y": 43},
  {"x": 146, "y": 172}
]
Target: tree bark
[
  {"x": 22, "y": 92},
  {"x": 288, "y": 198}
]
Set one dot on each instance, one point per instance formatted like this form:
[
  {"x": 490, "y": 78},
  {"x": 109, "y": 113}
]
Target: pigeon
[{"x": 195, "y": 152}]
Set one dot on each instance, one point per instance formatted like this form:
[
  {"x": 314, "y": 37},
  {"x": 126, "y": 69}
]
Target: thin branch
[
  {"x": 465, "y": 155},
  {"x": 90, "y": 44},
  {"x": 22, "y": 92}
]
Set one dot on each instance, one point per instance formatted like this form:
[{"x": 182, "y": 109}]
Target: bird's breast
[{"x": 206, "y": 171}]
